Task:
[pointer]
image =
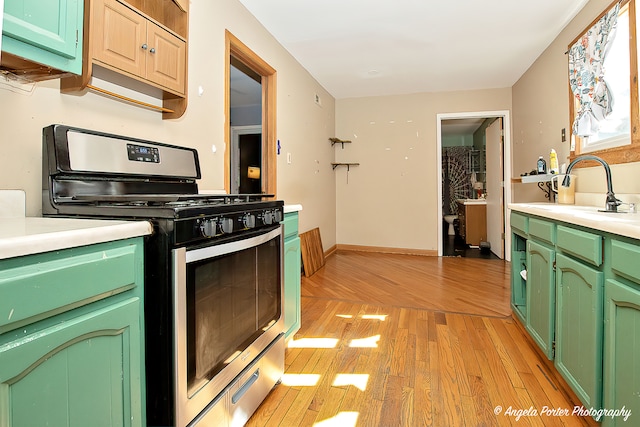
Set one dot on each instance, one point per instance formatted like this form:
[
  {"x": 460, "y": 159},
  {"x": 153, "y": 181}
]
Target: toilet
[{"x": 450, "y": 219}]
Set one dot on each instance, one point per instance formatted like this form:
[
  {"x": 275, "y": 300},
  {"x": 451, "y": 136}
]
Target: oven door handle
[{"x": 227, "y": 248}]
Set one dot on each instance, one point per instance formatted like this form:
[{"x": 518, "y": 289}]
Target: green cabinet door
[
  {"x": 47, "y": 32},
  {"x": 291, "y": 286},
  {"x": 540, "y": 289},
  {"x": 579, "y": 328},
  {"x": 518, "y": 280},
  {"x": 622, "y": 351},
  {"x": 84, "y": 371}
]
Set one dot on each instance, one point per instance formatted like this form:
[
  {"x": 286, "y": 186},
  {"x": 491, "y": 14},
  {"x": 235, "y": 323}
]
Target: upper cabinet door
[
  {"x": 166, "y": 58},
  {"x": 49, "y": 32},
  {"x": 119, "y": 37}
]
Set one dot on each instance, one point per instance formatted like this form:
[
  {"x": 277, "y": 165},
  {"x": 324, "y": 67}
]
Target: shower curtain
[{"x": 455, "y": 177}]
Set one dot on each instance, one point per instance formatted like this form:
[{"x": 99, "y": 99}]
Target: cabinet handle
[
  {"x": 152, "y": 50},
  {"x": 144, "y": 46}
]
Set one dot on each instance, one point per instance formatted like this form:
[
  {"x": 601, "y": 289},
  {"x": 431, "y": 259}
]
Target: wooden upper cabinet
[
  {"x": 127, "y": 41},
  {"x": 143, "y": 40}
]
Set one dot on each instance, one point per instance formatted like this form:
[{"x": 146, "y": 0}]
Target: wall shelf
[
  {"x": 348, "y": 165},
  {"x": 335, "y": 141}
]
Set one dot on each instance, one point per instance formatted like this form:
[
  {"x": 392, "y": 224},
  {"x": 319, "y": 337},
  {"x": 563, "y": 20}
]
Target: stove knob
[
  {"x": 267, "y": 217},
  {"x": 226, "y": 225},
  {"x": 277, "y": 215},
  {"x": 208, "y": 228},
  {"x": 249, "y": 220}
]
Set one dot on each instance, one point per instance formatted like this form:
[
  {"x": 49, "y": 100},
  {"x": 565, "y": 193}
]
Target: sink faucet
[{"x": 611, "y": 204}]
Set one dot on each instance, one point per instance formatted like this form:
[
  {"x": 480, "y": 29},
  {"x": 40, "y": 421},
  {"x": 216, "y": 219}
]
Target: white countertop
[
  {"x": 292, "y": 208},
  {"x": 473, "y": 201},
  {"x": 621, "y": 223},
  {"x": 31, "y": 235}
]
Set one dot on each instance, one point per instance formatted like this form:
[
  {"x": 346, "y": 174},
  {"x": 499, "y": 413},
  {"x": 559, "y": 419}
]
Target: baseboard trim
[
  {"x": 332, "y": 250},
  {"x": 385, "y": 250}
]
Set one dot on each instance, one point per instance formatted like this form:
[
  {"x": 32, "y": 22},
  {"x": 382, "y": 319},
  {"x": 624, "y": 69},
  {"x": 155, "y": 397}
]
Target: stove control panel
[{"x": 223, "y": 224}]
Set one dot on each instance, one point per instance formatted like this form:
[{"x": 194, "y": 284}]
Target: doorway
[
  {"x": 246, "y": 159},
  {"x": 247, "y": 72},
  {"x": 497, "y": 220}
]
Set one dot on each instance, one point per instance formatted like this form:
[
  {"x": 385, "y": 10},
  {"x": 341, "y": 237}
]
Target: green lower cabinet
[
  {"x": 292, "y": 264},
  {"x": 540, "y": 289},
  {"x": 579, "y": 328},
  {"x": 292, "y": 286},
  {"x": 622, "y": 351},
  {"x": 71, "y": 339}
]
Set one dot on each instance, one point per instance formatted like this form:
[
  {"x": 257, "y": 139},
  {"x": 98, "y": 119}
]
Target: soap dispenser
[{"x": 542, "y": 166}]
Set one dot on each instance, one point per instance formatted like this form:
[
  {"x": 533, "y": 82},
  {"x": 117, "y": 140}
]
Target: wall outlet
[
  {"x": 289, "y": 158},
  {"x": 317, "y": 100}
]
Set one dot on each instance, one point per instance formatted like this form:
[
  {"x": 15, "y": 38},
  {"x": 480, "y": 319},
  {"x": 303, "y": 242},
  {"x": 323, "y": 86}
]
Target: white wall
[
  {"x": 303, "y": 128},
  {"x": 391, "y": 199}
]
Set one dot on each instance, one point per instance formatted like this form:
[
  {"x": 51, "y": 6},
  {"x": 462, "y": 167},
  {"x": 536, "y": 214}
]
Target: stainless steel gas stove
[{"x": 213, "y": 270}]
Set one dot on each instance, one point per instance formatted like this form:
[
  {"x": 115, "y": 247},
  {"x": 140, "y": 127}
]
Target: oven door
[{"x": 228, "y": 309}]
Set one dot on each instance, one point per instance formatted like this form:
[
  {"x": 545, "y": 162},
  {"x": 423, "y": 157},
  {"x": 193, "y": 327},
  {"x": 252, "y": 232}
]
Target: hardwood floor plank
[
  {"x": 450, "y": 388},
  {"x": 423, "y": 411},
  {"x": 398, "y": 340},
  {"x": 504, "y": 356},
  {"x": 482, "y": 403},
  {"x": 391, "y": 412}
]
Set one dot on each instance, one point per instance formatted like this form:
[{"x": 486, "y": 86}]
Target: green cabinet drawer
[
  {"x": 290, "y": 224},
  {"x": 520, "y": 223},
  {"x": 40, "y": 286},
  {"x": 625, "y": 259},
  {"x": 581, "y": 244},
  {"x": 542, "y": 230}
]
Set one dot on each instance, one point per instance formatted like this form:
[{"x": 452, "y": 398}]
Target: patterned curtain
[
  {"x": 586, "y": 74},
  {"x": 455, "y": 177}
]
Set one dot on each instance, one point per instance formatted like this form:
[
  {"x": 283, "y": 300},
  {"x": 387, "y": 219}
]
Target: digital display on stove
[{"x": 140, "y": 153}]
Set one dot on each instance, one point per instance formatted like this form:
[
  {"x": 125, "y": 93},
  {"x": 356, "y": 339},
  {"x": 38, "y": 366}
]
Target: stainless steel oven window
[{"x": 229, "y": 296}]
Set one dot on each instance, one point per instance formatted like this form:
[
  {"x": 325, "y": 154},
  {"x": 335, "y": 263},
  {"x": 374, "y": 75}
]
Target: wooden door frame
[
  {"x": 238, "y": 50},
  {"x": 507, "y": 164}
]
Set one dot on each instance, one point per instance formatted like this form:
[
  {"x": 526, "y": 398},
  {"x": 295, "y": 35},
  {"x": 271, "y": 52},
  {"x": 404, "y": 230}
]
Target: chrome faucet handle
[{"x": 633, "y": 207}]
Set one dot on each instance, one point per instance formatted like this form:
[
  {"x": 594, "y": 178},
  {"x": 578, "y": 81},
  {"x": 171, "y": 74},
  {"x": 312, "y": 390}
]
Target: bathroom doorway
[{"x": 463, "y": 174}]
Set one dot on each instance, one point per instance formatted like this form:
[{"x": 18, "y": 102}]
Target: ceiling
[{"x": 360, "y": 48}]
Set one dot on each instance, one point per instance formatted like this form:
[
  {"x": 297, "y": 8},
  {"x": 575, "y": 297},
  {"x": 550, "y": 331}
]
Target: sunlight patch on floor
[
  {"x": 342, "y": 419},
  {"x": 381, "y": 317},
  {"x": 369, "y": 342},
  {"x": 313, "y": 343},
  {"x": 300, "y": 380},
  {"x": 345, "y": 316},
  {"x": 356, "y": 380}
]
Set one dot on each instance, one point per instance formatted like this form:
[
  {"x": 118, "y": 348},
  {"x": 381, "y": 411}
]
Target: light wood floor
[{"x": 393, "y": 340}]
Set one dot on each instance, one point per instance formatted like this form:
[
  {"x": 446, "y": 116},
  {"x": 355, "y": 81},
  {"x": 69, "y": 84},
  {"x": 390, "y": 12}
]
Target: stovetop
[
  {"x": 169, "y": 206},
  {"x": 167, "y": 199}
]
